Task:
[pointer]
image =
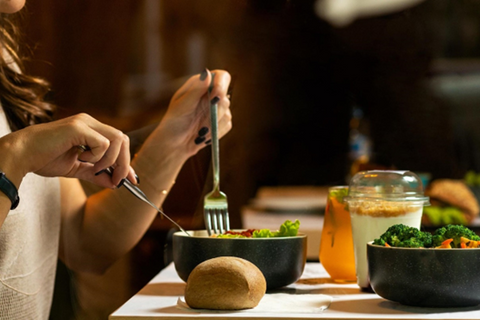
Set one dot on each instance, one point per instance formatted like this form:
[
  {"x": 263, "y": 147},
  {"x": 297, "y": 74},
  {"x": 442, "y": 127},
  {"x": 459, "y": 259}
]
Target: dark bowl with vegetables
[
  {"x": 420, "y": 269},
  {"x": 280, "y": 256}
]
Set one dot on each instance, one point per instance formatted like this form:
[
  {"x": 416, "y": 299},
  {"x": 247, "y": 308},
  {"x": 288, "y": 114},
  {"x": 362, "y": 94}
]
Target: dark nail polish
[
  {"x": 82, "y": 160},
  {"x": 208, "y": 141},
  {"x": 137, "y": 178},
  {"x": 100, "y": 172},
  {"x": 121, "y": 183},
  {"x": 203, "y": 131},
  {"x": 215, "y": 100},
  {"x": 204, "y": 74},
  {"x": 199, "y": 140}
]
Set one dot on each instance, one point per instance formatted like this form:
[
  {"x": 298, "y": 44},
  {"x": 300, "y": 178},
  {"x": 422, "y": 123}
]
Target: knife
[{"x": 137, "y": 192}]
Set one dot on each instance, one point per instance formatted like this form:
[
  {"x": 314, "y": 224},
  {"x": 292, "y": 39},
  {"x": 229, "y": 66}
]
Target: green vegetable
[
  {"x": 440, "y": 216},
  {"x": 263, "y": 233},
  {"x": 287, "y": 229},
  {"x": 400, "y": 235},
  {"x": 339, "y": 193},
  {"x": 230, "y": 236},
  {"x": 453, "y": 232},
  {"x": 472, "y": 178}
]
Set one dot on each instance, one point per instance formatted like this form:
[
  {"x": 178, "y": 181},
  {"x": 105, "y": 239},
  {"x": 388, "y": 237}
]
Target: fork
[{"x": 215, "y": 206}]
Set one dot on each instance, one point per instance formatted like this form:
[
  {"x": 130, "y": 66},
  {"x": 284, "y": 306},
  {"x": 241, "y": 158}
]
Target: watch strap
[{"x": 9, "y": 189}]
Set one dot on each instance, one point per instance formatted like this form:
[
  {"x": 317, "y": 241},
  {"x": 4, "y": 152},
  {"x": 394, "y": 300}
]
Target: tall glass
[{"x": 336, "y": 244}]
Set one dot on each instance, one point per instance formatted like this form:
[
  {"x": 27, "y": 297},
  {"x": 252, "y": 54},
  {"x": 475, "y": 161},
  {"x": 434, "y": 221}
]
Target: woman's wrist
[
  {"x": 170, "y": 142},
  {"x": 9, "y": 163},
  {"x": 157, "y": 164}
]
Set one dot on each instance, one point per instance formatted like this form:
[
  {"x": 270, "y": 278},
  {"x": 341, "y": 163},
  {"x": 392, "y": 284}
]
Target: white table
[{"x": 158, "y": 300}]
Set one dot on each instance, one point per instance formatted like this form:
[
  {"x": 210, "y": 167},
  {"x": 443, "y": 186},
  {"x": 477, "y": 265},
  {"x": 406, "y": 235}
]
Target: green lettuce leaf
[
  {"x": 288, "y": 229},
  {"x": 263, "y": 233},
  {"x": 230, "y": 236}
]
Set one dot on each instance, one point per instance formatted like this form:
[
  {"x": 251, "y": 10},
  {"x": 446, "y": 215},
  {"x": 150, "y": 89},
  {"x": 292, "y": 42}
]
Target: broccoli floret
[
  {"x": 400, "y": 235},
  {"x": 454, "y": 232}
]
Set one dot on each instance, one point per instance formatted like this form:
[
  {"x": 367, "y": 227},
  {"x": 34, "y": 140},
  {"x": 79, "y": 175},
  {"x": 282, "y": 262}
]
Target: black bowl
[
  {"x": 425, "y": 277},
  {"x": 281, "y": 259}
]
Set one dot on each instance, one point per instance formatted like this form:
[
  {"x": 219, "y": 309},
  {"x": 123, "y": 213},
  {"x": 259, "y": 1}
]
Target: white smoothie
[{"x": 370, "y": 221}]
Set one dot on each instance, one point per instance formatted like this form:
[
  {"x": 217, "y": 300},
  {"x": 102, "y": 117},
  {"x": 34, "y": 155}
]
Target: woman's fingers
[
  {"x": 221, "y": 83},
  {"x": 85, "y": 172},
  {"x": 115, "y": 157},
  {"x": 123, "y": 168},
  {"x": 197, "y": 87},
  {"x": 107, "y": 147},
  {"x": 194, "y": 88},
  {"x": 223, "y": 107},
  {"x": 225, "y": 124},
  {"x": 224, "y": 116}
]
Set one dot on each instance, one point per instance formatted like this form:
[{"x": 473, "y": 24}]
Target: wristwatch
[{"x": 7, "y": 187}]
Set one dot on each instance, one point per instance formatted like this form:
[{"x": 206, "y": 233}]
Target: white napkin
[{"x": 278, "y": 303}]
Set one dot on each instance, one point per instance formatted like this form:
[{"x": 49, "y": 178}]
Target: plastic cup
[{"x": 377, "y": 200}]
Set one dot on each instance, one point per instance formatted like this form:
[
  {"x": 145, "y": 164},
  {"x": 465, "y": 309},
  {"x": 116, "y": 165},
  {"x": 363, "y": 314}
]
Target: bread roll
[{"x": 225, "y": 283}]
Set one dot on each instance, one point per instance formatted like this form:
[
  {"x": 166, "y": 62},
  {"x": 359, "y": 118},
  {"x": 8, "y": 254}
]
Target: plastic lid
[{"x": 387, "y": 185}]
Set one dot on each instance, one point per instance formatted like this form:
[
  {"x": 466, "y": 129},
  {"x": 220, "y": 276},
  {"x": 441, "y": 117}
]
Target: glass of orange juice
[{"x": 336, "y": 244}]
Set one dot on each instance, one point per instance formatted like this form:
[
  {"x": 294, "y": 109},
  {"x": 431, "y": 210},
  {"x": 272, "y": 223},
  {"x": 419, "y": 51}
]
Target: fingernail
[
  {"x": 203, "y": 131},
  {"x": 100, "y": 172},
  {"x": 121, "y": 183},
  {"x": 137, "y": 178},
  {"x": 204, "y": 74},
  {"x": 199, "y": 140},
  {"x": 215, "y": 100},
  {"x": 208, "y": 141}
]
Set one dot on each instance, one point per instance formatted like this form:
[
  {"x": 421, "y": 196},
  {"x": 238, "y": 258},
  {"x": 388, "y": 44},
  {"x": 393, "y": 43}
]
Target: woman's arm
[
  {"x": 52, "y": 149},
  {"x": 98, "y": 230}
]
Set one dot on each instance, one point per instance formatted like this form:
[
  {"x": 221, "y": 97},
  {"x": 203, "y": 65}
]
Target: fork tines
[{"x": 216, "y": 220}]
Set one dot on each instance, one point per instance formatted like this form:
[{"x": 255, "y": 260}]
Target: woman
[{"x": 54, "y": 218}]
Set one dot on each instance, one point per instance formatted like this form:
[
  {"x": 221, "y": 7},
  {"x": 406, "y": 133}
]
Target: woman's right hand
[{"x": 53, "y": 149}]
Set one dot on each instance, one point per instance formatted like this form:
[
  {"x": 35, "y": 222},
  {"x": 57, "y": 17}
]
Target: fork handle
[{"x": 215, "y": 146}]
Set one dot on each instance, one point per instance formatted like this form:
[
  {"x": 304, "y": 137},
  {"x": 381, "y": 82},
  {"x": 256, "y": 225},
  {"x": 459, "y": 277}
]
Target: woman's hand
[
  {"x": 78, "y": 146},
  {"x": 187, "y": 121}
]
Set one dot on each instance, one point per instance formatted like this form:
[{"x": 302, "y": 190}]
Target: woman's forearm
[{"x": 113, "y": 221}]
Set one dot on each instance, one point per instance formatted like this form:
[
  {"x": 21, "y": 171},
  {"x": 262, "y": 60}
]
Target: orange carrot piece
[
  {"x": 463, "y": 245},
  {"x": 446, "y": 242},
  {"x": 387, "y": 245}
]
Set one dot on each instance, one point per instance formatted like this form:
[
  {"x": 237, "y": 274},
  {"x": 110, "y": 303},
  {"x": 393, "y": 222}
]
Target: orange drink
[{"x": 336, "y": 246}]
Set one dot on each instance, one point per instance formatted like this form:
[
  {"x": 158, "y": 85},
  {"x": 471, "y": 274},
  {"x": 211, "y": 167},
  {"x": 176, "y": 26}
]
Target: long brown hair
[{"x": 22, "y": 96}]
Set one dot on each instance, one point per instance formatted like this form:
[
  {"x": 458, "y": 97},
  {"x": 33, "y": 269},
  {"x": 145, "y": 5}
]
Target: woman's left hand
[{"x": 187, "y": 121}]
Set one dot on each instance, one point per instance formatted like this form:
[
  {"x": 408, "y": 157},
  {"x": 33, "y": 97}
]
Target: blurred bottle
[{"x": 359, "y": 142}]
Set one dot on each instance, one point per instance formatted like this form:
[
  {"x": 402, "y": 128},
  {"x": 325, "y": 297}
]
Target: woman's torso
[{"x": 29, "y": 247}]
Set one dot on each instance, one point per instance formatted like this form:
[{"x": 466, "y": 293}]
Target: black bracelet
[{"x": 7, "y": 187}]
